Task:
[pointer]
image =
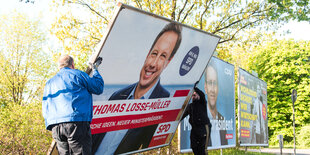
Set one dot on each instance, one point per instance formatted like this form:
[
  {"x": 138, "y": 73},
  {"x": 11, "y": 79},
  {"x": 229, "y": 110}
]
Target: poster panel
[
  {"x": 147, "y": 87},
  {"x": 253, "y": 118},
  {"x": 218, "y": 85}
]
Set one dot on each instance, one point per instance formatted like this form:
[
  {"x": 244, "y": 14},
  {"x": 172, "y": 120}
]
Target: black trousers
[
  {"x": 199, "y": 141},
  {"x": 73, "y": 138},
  {"x": 198, "y": 145}
]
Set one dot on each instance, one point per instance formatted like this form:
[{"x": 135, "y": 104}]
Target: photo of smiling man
[{"x": 161, "y": 52}]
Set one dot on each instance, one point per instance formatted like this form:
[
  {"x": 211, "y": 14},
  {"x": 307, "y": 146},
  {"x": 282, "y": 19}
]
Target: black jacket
[{"x": 198, "y": 116}]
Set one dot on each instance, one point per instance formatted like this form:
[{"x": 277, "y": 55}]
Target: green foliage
[
  {"x": 22, "y": 130},
  {"x": 303, "y": 136},
  {"x": 290, "y": 9},
  {"x": 225, "y": 18},
  {"x": 284, "y": 65},
  {"x": 79, "y": 27}
]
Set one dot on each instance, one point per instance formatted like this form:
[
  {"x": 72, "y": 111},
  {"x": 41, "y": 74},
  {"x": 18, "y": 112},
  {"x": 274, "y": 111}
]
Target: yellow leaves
[
  {"x": 22, "y": 53},
  {"x": 262, "y": 17},
  {"x": 245, "y": 16},
  {"x": 80, "y": 28},
  {"x": 224, "y": 18}
]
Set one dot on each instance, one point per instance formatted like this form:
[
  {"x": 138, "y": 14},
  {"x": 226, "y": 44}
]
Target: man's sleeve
[
  {"x": 186, "y": 112},
  {"x": 201, "y": 94},
  {"x": 94, "y": 84}
]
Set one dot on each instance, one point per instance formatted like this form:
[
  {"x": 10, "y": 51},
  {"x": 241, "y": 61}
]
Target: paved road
[{"x": 284, "y": 151}]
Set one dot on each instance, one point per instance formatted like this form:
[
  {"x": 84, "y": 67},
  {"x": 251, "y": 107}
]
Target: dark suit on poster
[
  {"x": 136, "y": 138},
  {"x": 222, "y": 133}
]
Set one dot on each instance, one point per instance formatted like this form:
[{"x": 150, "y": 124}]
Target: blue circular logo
[{"x": 189, "y": 61}]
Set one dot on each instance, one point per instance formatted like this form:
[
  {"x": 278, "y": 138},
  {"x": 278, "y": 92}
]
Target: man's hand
[{"x": 96, "y": 64}]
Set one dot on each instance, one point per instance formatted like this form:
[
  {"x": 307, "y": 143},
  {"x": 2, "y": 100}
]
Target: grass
[
  {"x": 232, "y": 151},
  {"x": 235, "y": 151}
]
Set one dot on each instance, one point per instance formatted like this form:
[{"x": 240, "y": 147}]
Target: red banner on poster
[{"x": 106, "y": 124}]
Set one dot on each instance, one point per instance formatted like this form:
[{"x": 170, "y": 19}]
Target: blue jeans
[{"x": 73, "y": 138}]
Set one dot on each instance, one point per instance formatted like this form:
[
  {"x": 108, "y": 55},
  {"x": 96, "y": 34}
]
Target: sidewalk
[{"x": 284, "y": 151}]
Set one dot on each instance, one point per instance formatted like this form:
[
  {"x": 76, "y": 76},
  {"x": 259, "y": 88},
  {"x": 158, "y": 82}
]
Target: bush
[
  {"x": 288, "y": 137},
  {"x": 22, "y": 130},
  {"x": 303, "y": 135}
]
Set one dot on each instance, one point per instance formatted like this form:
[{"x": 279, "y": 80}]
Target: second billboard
[{"x": 218, "y": 84}]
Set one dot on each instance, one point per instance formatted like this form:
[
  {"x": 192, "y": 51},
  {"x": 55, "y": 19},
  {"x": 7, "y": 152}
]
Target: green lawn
[{"x": 232, "y": 151}]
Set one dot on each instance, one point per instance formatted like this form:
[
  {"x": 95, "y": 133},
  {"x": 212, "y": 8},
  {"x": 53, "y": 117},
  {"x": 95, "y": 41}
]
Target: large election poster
[
  {"x": 150, "y": 65},
  {"x": 253, "y": 118},
  {"x": 219, "y": 86}
]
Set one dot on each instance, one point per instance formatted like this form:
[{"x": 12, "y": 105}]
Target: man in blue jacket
[{"x": 67, "y": 106}]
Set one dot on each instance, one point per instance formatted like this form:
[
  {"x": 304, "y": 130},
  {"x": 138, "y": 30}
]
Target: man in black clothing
[{"x": 199, "y": 120}]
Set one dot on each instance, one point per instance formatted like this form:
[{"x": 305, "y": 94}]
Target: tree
[
  {"x": 284, "y": 65},
  {"x": 82, "y": 30},
  {"x": 24, "y": 66},
  {"x": 290, "y": 9}
]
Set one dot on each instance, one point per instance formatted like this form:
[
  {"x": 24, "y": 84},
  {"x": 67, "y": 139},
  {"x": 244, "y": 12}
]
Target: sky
[{"x": 299, "y": 30}]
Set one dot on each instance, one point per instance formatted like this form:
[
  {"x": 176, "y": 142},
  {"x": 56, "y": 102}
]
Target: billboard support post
[
  {"x": 294, "y": 97},
  {"x": 280, "y": 137}
]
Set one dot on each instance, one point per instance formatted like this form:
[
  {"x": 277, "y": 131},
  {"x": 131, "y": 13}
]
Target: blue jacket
[{"x": 68, "y": 96}]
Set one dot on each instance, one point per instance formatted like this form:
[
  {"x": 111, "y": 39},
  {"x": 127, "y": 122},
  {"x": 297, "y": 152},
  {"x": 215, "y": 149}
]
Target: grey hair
[{"x": 65, "y": 61}]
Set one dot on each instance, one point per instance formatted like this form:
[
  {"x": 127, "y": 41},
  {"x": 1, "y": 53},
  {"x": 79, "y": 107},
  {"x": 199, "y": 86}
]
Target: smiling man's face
[{"x": 157, "y": 59}]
